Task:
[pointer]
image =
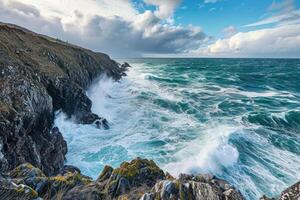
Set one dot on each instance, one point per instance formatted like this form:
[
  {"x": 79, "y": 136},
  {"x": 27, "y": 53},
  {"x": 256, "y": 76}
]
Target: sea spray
[
  {"x": 207, "y": 154},
  {"x": 230, "y": 117}
]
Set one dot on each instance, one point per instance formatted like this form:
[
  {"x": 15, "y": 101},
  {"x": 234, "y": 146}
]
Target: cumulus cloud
[
  {"x": 282, "y": 41},
  {"x": 165, "y": 8},
  {"x": 114, "y": 27}
]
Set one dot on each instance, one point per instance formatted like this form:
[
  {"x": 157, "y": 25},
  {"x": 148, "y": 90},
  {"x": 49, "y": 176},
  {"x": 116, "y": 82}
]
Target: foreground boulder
[
  {"x": 131, "y": 180},
  {"x": 11, "y": 190},
  {"x": 38, "y": 76},
  {"x": 139, "y": 179},
  {"x": 193, "y": 187},
  {"x": 36, "y": 184},
  {"x": 139, "y": 175}
]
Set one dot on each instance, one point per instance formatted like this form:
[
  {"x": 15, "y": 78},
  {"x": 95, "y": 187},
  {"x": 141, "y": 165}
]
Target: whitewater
[{"x": 236, "y": 118}]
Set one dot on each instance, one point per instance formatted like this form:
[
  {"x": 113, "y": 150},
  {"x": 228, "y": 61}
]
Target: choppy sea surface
[{"x": 236, "y": 118}]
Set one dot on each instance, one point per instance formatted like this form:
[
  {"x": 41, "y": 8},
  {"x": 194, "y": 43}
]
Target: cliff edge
[{"x": 39, "y": 75}]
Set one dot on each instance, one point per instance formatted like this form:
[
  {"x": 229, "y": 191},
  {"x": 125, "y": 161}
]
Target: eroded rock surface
[
  {"x": 291, "y": 193},
  {"x": 139, "y": 179},
  {"x": 193, "y": 187}
]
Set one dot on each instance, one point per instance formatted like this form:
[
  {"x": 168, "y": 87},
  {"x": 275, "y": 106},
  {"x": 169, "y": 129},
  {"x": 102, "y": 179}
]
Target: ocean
[{"x": 236, "y": 118}]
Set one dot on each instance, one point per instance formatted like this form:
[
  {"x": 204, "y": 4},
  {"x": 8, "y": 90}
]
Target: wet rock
[
  {"x": 130, "y": 181},
  {"x": 291, "y": 193},
  {"x": 125, "y": 66},
  {"x": 105, "y": 174},
  {"x": 38, "y": 76},
  {"x": 25, "y": 171},
  {"x": 102, "y": 123},
  {"x": 138, "y": 172},
  {"x": 70, "y": 168},
  {"x": 48, "y": 187},
  {"x": 264, "y": 197},
  {"x": 191, "y": 187},
  {"x": 138, "y": 179},
  {"x": 90, "y": 192},
  {"x": 10, "y": 190}
]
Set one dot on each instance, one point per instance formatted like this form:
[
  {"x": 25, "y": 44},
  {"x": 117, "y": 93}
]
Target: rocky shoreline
[
  {"x": 40, "y": 75},
  {"x": 138, "y": 179}
]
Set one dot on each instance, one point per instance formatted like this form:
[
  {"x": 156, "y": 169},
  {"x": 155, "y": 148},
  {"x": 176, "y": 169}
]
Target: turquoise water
[{"x": 236, "y": 118}]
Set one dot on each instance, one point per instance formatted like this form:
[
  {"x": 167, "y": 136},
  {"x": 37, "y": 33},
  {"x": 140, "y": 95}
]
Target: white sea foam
[
  {"x": 251, "y": 94},
  {"x": 98, "y": 93},
  {"x": 179, "y": 141},
  {"x": 208, "y": 153}
]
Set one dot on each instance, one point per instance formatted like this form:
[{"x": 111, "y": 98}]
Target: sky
[{"x": 166, "y": 28}]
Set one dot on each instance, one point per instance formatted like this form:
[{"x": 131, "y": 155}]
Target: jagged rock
[
  {"x": 291, "y": 193},
  {"x": 193, "y": 187},
  {"x": 102, "y": 123},
  {"x": 39, "y": 75},
  {"x": 105, "y": 174},
  {"x": 143, "y": 179},
  {"x": 11, "y": 190},
  {"x": 90, "y": 192},
  {"x": 125, "y": 66},
  {"x": 137, "y": 173},
  {"x": 264, "y": 197},
  {"x": 26, "y": 170},
  {"x": 130, "y": 181},
  {"x": 48, "y": 187},
  {"x": 70, "y": 168},
  {"x": 138, "y": 179}
]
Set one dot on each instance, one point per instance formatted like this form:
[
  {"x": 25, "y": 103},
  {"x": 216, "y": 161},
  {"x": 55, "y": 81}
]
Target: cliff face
[{"x": 39, "y": 75}]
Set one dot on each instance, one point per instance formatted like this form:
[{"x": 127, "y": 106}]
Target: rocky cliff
[{"x": 39, "y": 75}]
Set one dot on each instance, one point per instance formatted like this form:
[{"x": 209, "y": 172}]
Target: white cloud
[
  {"x": 280, "y": 12},
  {"x": 165, "y": 8},
  {"x": 281, "y": 18},
  {"x": 282, "y": 41},
  {"x": 114, "y": 27}
]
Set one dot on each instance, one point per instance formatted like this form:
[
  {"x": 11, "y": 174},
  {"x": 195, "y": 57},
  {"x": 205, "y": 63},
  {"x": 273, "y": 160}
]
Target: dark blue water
[{"x": 236, "y": 118}]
